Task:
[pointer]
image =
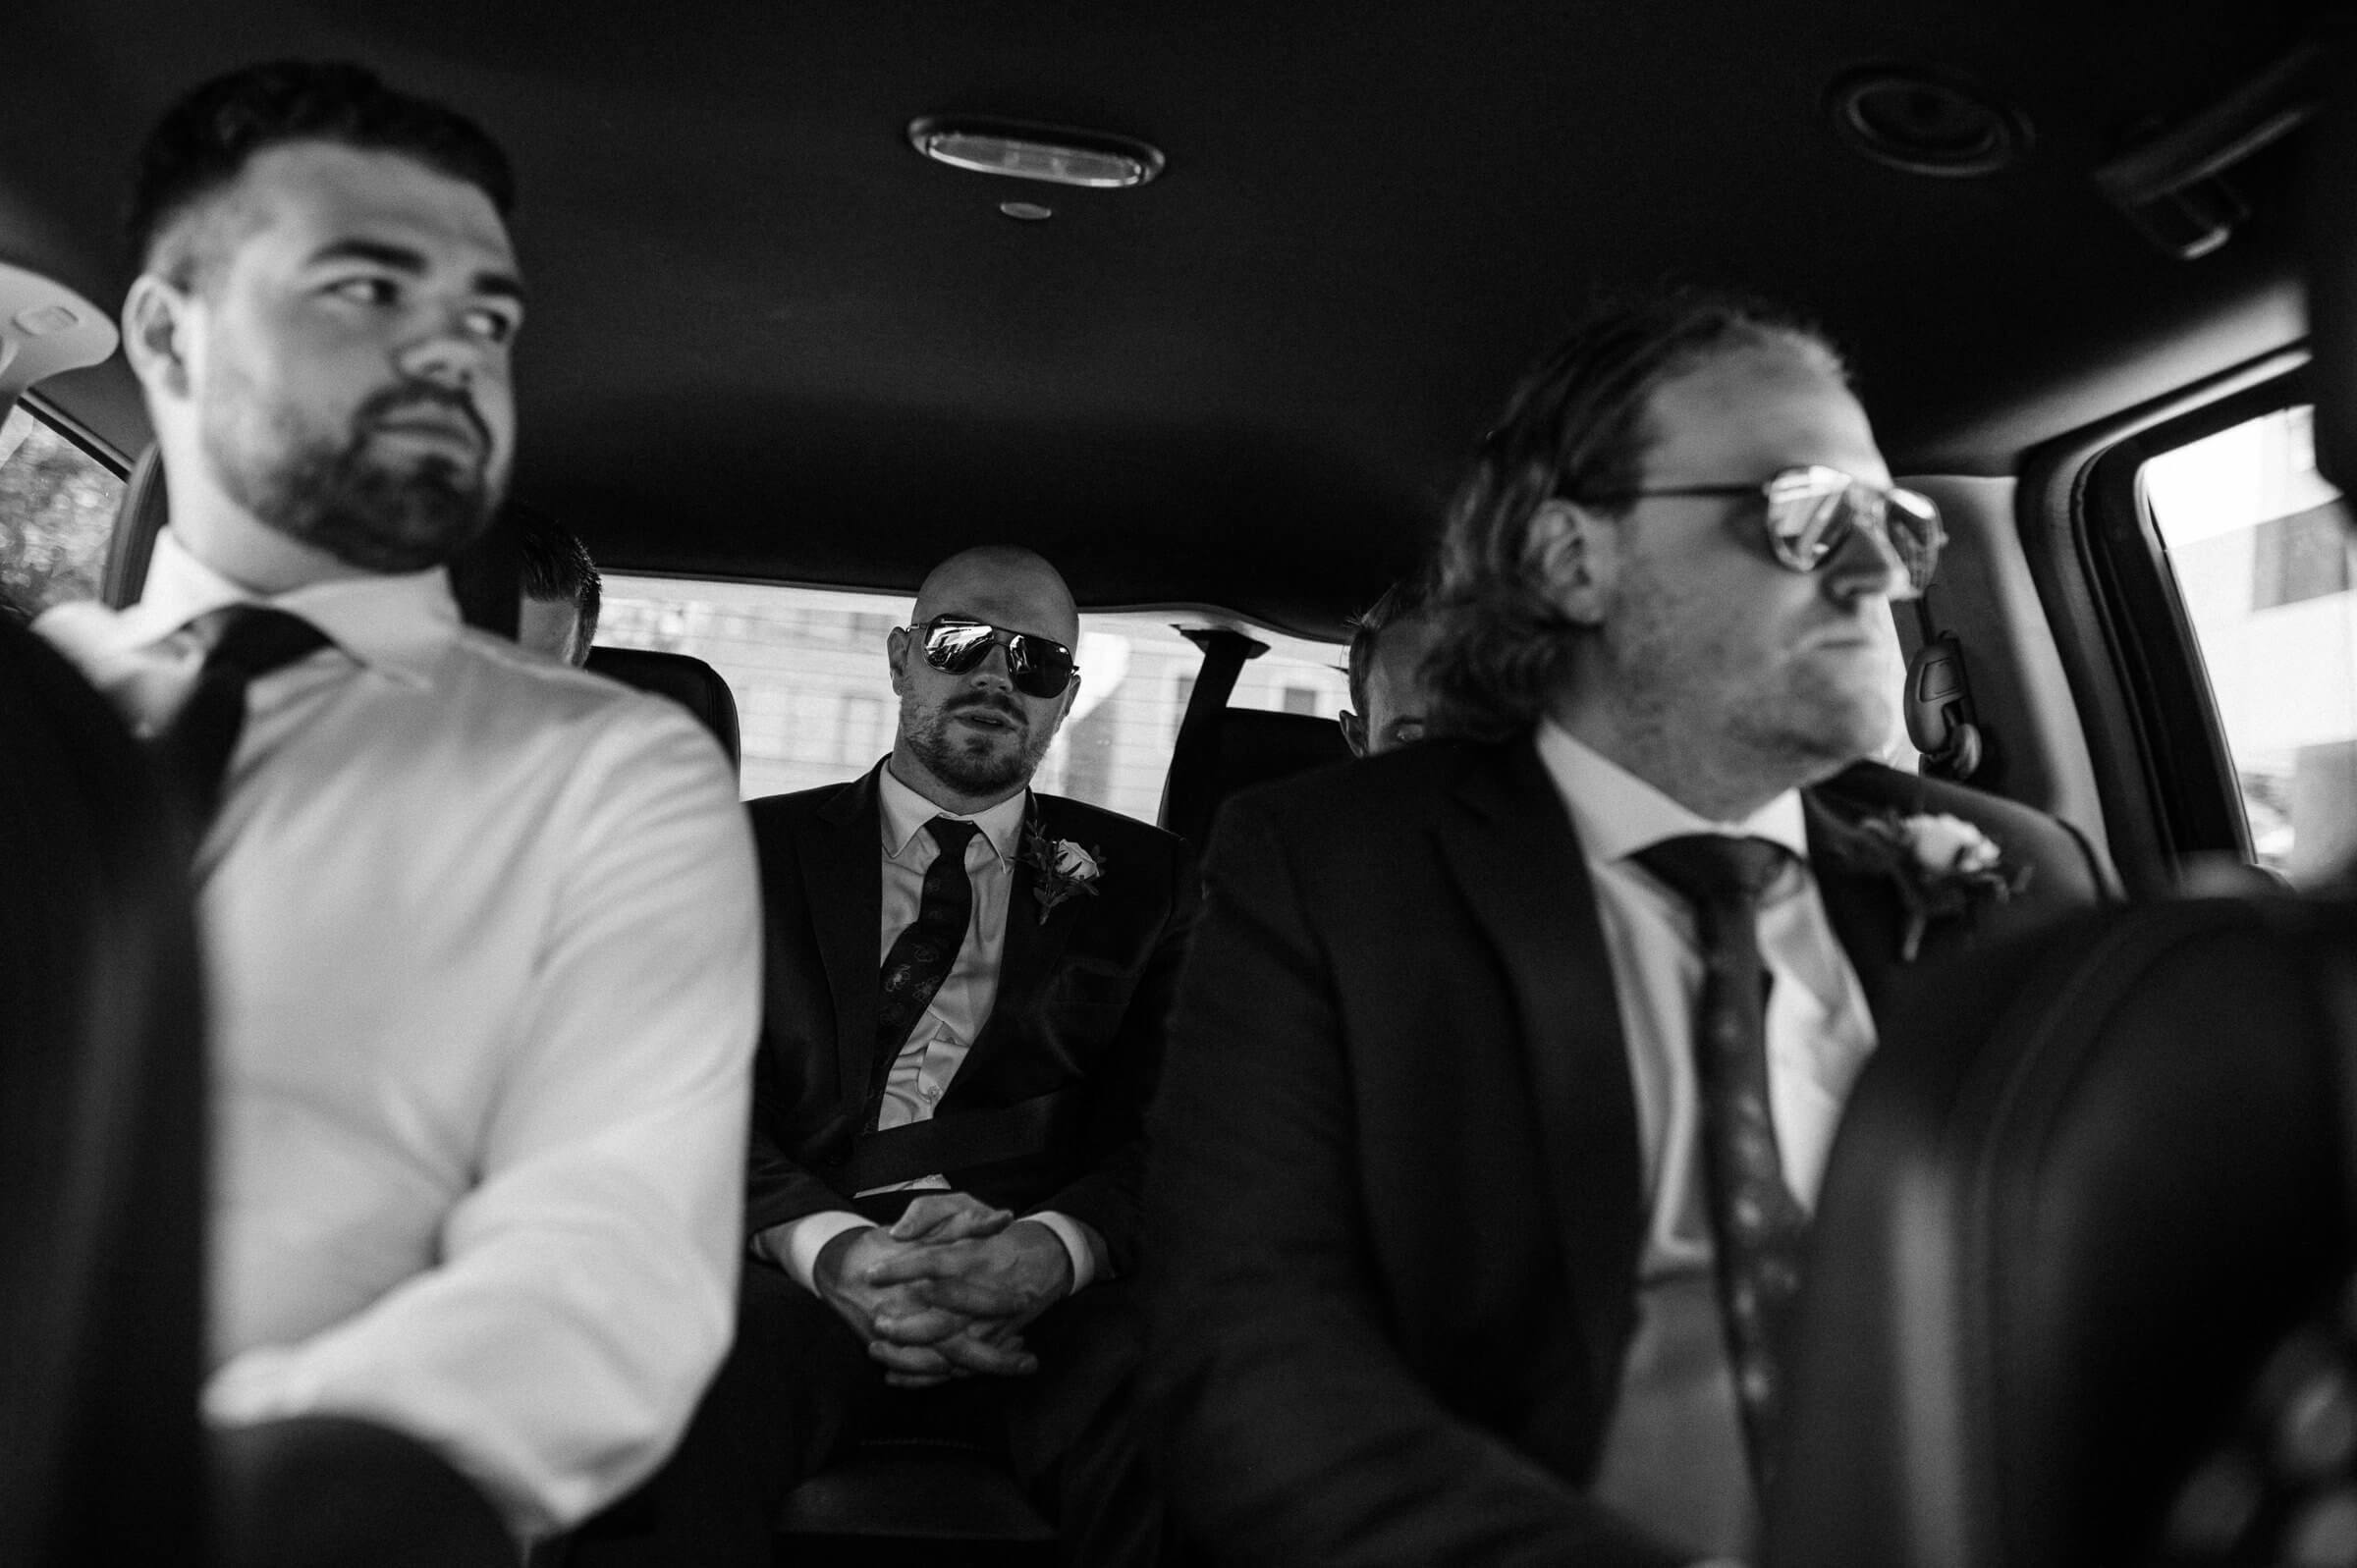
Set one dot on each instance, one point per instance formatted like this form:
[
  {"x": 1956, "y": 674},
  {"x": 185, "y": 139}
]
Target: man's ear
[
  {"x": 896, "y": 648},
  {"x": 155, "y": 335},
  {"x": 1574, "y": 555},
  {"x": 1354, "y": 732}
]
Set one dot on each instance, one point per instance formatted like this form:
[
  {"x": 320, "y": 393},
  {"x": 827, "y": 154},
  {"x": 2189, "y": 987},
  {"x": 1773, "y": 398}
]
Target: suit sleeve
[
  {"x": 1291, "y": 1430},
  {"x": 779, "y": 1188},
  {"x": 1109, "y": 1193}
]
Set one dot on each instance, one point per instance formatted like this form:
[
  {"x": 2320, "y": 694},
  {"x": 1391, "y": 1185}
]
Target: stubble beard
[
  {"x": 339, "y": 497},
  {"x": 1753, "y": 727},
  {"x": 971, "y": 761}
]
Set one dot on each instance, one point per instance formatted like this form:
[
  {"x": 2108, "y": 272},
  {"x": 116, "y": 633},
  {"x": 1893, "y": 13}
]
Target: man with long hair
[{"x": 1506, "y": 1064}]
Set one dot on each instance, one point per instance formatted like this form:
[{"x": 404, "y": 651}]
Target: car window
[
  {"x": 2257, "y": 541},
  {"x": 814, "y": 697},
  {"x": 57, "y": 512}
]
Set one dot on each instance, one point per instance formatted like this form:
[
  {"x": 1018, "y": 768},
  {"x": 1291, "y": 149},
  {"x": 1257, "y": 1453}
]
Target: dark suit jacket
[
  {"x": 1082, "y": 1001},
  {"x": 1396, "y": 1207}
]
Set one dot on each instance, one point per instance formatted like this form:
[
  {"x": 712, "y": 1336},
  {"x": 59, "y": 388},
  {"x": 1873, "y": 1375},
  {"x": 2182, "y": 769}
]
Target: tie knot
[
  {"x": 952, "y": 835},
  {"x": 1715, "y": 871},
  {"x": 255, "y": 640}
]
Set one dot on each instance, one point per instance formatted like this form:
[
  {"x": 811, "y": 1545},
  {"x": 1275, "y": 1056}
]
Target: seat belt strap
[{"x": 957, "y": 1141}]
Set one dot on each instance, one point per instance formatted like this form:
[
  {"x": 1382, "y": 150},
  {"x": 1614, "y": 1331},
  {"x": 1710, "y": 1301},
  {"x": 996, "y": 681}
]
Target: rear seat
[{"x": 683, "y": 677}]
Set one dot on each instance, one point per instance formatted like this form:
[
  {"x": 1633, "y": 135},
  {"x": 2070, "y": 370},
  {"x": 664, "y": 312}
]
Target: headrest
[
  {"x": 1248, "y": 746},
  {"x": 683, "y": 677},
  {"x": 2080, "y": 1189},
  {"x": 140, "y": 517}
]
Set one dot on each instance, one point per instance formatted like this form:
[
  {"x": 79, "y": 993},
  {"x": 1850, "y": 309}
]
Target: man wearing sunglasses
[
  {"x": 967, "y": 986},
  {"x": 1507, "y": 1063}
]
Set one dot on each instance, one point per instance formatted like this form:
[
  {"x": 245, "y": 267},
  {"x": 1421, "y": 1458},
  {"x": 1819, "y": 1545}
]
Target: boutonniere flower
[
  {"x": 1060, "y": 868},
  {"x": 1942, "y": 865}
]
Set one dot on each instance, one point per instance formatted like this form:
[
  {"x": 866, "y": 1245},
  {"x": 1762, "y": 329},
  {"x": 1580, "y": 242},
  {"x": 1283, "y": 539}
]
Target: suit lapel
[
  {"x": 845, "y": 858},
  {"x": 1864, "y": 908},
  {"x": 1510, "y": 849},
  {"x": 1034, "y": 947}
]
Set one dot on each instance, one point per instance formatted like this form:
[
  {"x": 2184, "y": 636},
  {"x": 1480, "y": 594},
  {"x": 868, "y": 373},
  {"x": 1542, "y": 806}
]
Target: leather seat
[
  {"x": 102, "y": 1135},
  {"x": 2077, "y": 1198},
  {"x": 1242, "y": 747},
  {"x": 683, "y": 677}
]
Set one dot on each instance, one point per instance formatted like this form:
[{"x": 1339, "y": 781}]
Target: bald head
[{"x": 1005, "y": 585}]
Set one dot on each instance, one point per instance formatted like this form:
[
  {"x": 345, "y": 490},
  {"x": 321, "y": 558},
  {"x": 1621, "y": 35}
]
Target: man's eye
[
  {"x": 492, "y": 326},
  {"x": 1407, "y": 731},
  {"x": 366, "y": 291}
]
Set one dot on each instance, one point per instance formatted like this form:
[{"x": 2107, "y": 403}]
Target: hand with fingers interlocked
[{"x": 947, "y": 1291}]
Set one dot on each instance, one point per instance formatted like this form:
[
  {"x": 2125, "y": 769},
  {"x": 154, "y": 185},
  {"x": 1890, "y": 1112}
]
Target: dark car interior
[{"x": 773, "y": 341}]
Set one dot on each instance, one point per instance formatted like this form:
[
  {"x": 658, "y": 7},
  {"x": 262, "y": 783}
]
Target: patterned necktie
[
  {"x": 923, "y": 954},
  {"x": 1758, "y": 1225},
  {"x": 248, "y": 641}
]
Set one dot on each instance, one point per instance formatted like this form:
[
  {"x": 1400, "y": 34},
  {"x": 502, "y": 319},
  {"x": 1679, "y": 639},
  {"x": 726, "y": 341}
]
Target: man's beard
[
  {"x": 968, "y": 761},
  {"x": 343, "y": 499}
]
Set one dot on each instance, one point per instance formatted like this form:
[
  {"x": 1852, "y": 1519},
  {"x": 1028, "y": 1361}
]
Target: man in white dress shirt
[
  {"x": 481, "y": 931},
  {"x": 1507, "y": 1066}
]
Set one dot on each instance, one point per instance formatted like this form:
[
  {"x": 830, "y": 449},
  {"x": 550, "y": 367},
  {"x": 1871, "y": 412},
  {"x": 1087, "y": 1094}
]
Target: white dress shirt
[
  {"x": 481, "y": 940},
  {"x": 939, "y": 1041},
  {"x": 1673, "y": 1458}
]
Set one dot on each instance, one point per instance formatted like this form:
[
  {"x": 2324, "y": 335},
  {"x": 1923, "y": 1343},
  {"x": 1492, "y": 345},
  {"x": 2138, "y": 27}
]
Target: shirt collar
[
  {"x": 1616, "y": 813},
  {"x": 396, "y": 623},
  {"x": 905, "y": 813}
]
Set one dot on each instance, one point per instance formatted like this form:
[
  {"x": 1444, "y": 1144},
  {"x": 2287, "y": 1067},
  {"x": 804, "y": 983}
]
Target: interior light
[{"x": 1093, "y": 160}]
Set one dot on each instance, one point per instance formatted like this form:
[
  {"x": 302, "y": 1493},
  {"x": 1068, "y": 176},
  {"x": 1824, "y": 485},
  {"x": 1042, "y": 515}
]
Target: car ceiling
[{"x": 769, "y": 341}]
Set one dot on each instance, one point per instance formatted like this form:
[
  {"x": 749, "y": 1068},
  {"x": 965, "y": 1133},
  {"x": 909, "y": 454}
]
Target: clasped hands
[{"x": 947, "y": 1291}]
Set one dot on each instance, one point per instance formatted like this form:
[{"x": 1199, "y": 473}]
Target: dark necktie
[
  {"x": 248, "y": 641},
  {"x": 923, "y": 954},
  {"x": 1758, "y": 1225}
]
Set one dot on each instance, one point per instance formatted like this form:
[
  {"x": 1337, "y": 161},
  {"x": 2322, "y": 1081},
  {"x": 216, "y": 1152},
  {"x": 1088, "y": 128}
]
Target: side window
[
  {"x": 2259, "y": 544},
  {"x": 815, "y": 703},
  {"x": 57, "y": 512}
]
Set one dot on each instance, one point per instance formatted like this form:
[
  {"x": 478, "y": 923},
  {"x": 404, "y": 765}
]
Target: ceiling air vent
[{"x": 1927, "y": 122}]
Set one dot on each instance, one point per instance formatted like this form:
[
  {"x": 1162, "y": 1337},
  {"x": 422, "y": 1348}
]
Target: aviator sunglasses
[
  {"x": 1039, "y": 667},
  {"x": 1812, "y": 510}
]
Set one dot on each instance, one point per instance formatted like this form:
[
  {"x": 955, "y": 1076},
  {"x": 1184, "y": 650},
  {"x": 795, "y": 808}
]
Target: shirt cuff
[
  {"x": 796, "y": 1245},
  {"x": 1077, "y": 1241}
]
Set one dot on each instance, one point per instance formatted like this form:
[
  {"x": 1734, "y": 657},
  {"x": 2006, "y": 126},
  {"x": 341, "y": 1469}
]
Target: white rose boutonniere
[
  {"x": 1942, "y": 865},
  {"x": 1060, "y": 868}
]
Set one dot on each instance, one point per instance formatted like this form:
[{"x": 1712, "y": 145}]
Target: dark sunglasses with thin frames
[
  {"x": 1812, "y": 510},
  {"x": 1039, "y": 667}
]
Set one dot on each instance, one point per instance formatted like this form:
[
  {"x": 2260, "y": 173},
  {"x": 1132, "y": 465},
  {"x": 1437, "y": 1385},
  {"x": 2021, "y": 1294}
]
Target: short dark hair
[
  {"x": 552, "y": 563},
  {"x": 1401, "y": 601},
  {"x": 1576, "y": 429},
  {"x": 204, "y": 143}
]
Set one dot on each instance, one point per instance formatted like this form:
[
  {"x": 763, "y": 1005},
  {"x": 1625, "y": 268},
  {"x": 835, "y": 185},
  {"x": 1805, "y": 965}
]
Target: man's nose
[
  {"x": 447, "y": 356},
  {"x": 994, "y": 666},
  {"x": 1866, "y": 562}
]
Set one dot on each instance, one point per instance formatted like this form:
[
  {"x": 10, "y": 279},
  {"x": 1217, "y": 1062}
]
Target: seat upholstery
[
  {"x": 683, "y": 677},
  {"x": 2079, "y": 1194},
  {"x": 912, "y": 1490},
  {"x": 102, "y": 1135},
  {"x": 1247, "y": 746}
]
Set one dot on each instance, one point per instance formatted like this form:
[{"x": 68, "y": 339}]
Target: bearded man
[
  {"x": 1505, "y": 1075},
  {"x": 967, "y": 986},
  {"x": 480, "y": 930}
]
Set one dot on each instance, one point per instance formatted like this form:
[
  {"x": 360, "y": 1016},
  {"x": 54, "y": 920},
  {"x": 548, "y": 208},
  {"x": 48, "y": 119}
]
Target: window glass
[
  {"x": 815, "y": 702},
  {"x": 57, "y": 512},
  {"x": 2257, "y": 539}
]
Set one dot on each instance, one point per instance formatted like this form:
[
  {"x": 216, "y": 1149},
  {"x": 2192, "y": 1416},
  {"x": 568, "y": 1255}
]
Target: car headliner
[{"x": 769, "y": 341}]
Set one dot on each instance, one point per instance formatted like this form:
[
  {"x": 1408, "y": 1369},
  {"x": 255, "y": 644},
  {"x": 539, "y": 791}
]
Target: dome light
[{"x": 1093, "y": 160}]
